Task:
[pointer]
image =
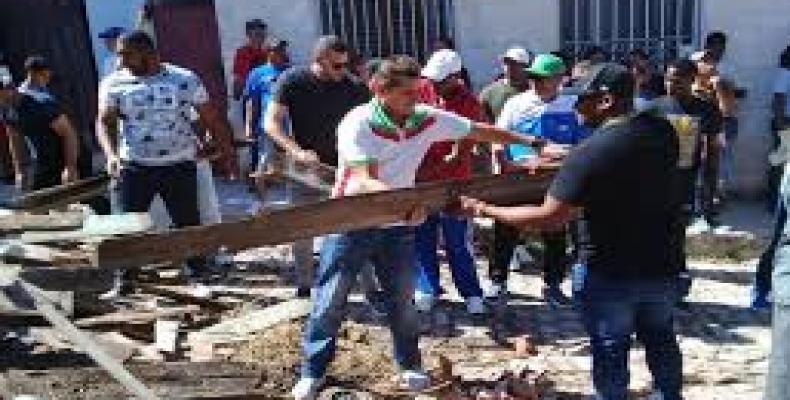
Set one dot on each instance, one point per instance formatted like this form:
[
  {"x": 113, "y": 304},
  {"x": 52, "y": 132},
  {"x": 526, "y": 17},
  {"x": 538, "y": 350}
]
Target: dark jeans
[
  {"x": 613, "y": 310},
  {"x": 176, "y": 184},
  {"x": 765, "y": 267},
  {"x": 391, "y": 251},
  {"x": 507, "y": 237}
]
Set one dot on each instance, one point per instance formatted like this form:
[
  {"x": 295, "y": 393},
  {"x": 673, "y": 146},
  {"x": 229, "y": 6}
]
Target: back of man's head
[
  {"x": 329, "y": 43},
  {"x": 396, "y": 71},
  {"x": 684, "y": 67},
  {"x": 37, "y": 63},
  {"x": 715, "y": 38},
  {"x": 138, "y": 40}
]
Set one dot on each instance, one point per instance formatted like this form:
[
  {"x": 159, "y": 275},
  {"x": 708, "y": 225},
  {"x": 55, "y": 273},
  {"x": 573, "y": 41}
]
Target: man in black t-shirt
[
  {"x": 313, "y": 99},
  {"x": 36, "y": 117},
  {"x": 621, "y": 180}
]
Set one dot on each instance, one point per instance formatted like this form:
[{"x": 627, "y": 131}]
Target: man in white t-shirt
[
  {"x": 145, "y": 130},
  {"x": 380, "y": 146},
  {"x": 542, "y": 112}
]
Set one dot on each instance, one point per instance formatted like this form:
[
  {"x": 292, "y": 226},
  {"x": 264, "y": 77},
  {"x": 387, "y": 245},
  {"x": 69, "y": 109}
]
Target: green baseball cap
[{"x": 546, "y": 66}]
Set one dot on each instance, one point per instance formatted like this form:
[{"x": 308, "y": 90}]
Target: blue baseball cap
[{"x": 113, "y": 32}]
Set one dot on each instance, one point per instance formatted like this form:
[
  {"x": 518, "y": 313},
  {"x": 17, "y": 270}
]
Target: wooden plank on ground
[
  {"x": 41, "y": 222},
  {"x": 94, "y": 228},
  {"x": 205, "y": 343},
  {"x": 316, "y": 219},
  {"x": 62, "y": 324},
  {"x": 184, "y": 294},
  {"x": 126, "y": 317},
  {"x": 17, "y": 251},
  {"x": 58, "y": 196}
]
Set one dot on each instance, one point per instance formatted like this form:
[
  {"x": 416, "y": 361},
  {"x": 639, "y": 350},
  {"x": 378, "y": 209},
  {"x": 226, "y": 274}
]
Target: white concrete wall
[
  {"x": 758, "y": 30},
  {"x": 296, "y": 21},
  {"x": 485, "y": 29}
]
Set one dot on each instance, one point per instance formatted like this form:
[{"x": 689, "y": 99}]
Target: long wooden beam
[
  {"x": 57, "y": 196},
  {"x": 316, "y": 219}
]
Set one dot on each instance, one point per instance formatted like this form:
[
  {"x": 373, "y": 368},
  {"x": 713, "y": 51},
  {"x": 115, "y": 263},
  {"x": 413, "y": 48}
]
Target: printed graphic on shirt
[
  {"x": 555, "y": 121},
  {"x": 155, "y": 114},
  {"x": 687, "y": 128}
]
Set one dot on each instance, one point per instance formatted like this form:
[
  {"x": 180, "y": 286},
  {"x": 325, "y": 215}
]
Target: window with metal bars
[
  {"x": 662, "y": 28},
  {"x": 379, "y": 28}
]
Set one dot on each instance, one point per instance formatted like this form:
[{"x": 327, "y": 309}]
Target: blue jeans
[
  {"x": 613, "y": 310},
  {"x": 391, "y": 251},
  {"x": 765, "y": 266},
  {"x": 458, "y": 244}
]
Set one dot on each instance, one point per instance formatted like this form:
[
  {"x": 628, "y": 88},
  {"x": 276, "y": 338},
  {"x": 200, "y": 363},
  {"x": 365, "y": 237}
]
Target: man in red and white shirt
[
  {"x": 249, "y": 56},
  {"x": 380, "y": 146}
]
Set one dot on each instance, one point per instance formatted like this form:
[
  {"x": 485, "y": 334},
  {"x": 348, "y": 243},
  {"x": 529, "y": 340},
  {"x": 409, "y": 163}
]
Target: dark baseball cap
[
  {"x": 603, "y": 78},
  {"x": 37, "y": 63},
  {"x": 256, "y": 23},
  {"x": 113, "y": 32}
]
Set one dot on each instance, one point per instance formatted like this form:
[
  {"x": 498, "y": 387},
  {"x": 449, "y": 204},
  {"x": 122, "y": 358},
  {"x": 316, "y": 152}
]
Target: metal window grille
[
  {"x": 379, "y": 28},
  {"x": 660, "y": 27}
]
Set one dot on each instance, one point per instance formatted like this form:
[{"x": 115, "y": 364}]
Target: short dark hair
[
  {"x": 715, "y": 36},
  {"x": 396, "y": 70},
  {"x": 373, "y": 66},
  {"x": 329, "y": 43},
  {"x": 784, "y": 58},
  {"x": 685, "y": 67},
  {"x": 593, "y": 50},
  {"x": 139, "y": 40},
  {"x": 253, "y": 24},
  {"x": 37, "y": 63}
]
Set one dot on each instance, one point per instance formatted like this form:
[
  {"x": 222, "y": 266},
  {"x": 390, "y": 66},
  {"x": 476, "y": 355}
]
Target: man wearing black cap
[
  {"x": 38, "y": 118},
  {"x": 620, "y": 181},
  {"x": 110, "y": 37}
]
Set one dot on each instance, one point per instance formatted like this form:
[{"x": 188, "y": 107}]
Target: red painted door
[{"x": 187, "y": 35}]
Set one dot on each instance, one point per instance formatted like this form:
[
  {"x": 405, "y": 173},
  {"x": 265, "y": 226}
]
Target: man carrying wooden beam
[{"x": 380, "y": 146}]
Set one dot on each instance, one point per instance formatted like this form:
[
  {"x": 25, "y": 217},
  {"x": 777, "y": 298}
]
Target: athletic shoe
[
  {"x": 424, "y": 301},
  {"x": 307, "y": 388},
  {"x": 475, "y": 306},
  {"x": 413, "y": 381}
]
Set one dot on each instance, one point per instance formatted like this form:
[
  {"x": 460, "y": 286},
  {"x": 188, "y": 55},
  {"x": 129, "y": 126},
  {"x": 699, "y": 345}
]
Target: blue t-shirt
[
  {"x": 555, "y": 121},
  {"x": 260, "y": 84}
]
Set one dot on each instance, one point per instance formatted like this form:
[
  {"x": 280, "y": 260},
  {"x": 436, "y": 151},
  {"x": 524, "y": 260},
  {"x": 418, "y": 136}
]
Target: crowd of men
[{"x": 641, "y": 152}]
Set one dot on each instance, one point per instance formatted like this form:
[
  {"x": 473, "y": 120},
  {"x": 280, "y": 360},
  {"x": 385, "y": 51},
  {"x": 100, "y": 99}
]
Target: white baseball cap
[
  {"x": 442, "y": 64},
  {"x": 519, "y": 55}
]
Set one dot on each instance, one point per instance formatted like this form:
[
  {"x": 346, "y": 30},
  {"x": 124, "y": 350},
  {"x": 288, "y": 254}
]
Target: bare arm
[
  {"x": 67, "y": 133},
  {"x": 218, "y": 125},
  {"x": 16, "y": 146},
  {"x": 488, "y": 133},
  {"x": 107, "y": 136},
  {"x": 273, "y": 124},
  {"x": 550, "y": 214}
]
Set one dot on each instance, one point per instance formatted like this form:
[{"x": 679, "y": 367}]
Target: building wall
[
  {"x": 758, "y": 30},
  {"x": 485, "y": 29},
  {"x": 292, "y": 20}
]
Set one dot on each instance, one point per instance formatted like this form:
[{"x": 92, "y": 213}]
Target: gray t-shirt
[{"x": 155, "y": 127}]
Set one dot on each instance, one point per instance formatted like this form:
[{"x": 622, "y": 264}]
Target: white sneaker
[
  {"x": 496, "y": 291},
  {"x": 475, "y": 306},
  {"x": 307, "y": 388},
  {"x": 698, "y": 227},
  {"x": 414, "y": 381},
  {"x": 423, "y": 301},
  {"x": 722, "y": 230}
]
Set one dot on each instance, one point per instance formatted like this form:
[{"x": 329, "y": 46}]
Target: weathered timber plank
[
  {"x": 41, "y": 222},
  {"x": 242, "y": 327},
  {"x": 57, "y": 196},
  {"x": 320, "y": 218},
  {"x": 16, "y": 251},
  {"x": 113, "y": 320},
  {"x": 61, "y": 323}
]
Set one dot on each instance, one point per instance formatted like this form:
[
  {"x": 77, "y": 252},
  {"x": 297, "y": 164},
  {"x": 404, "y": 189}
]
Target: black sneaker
[{"x": 303, "y": 293}]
